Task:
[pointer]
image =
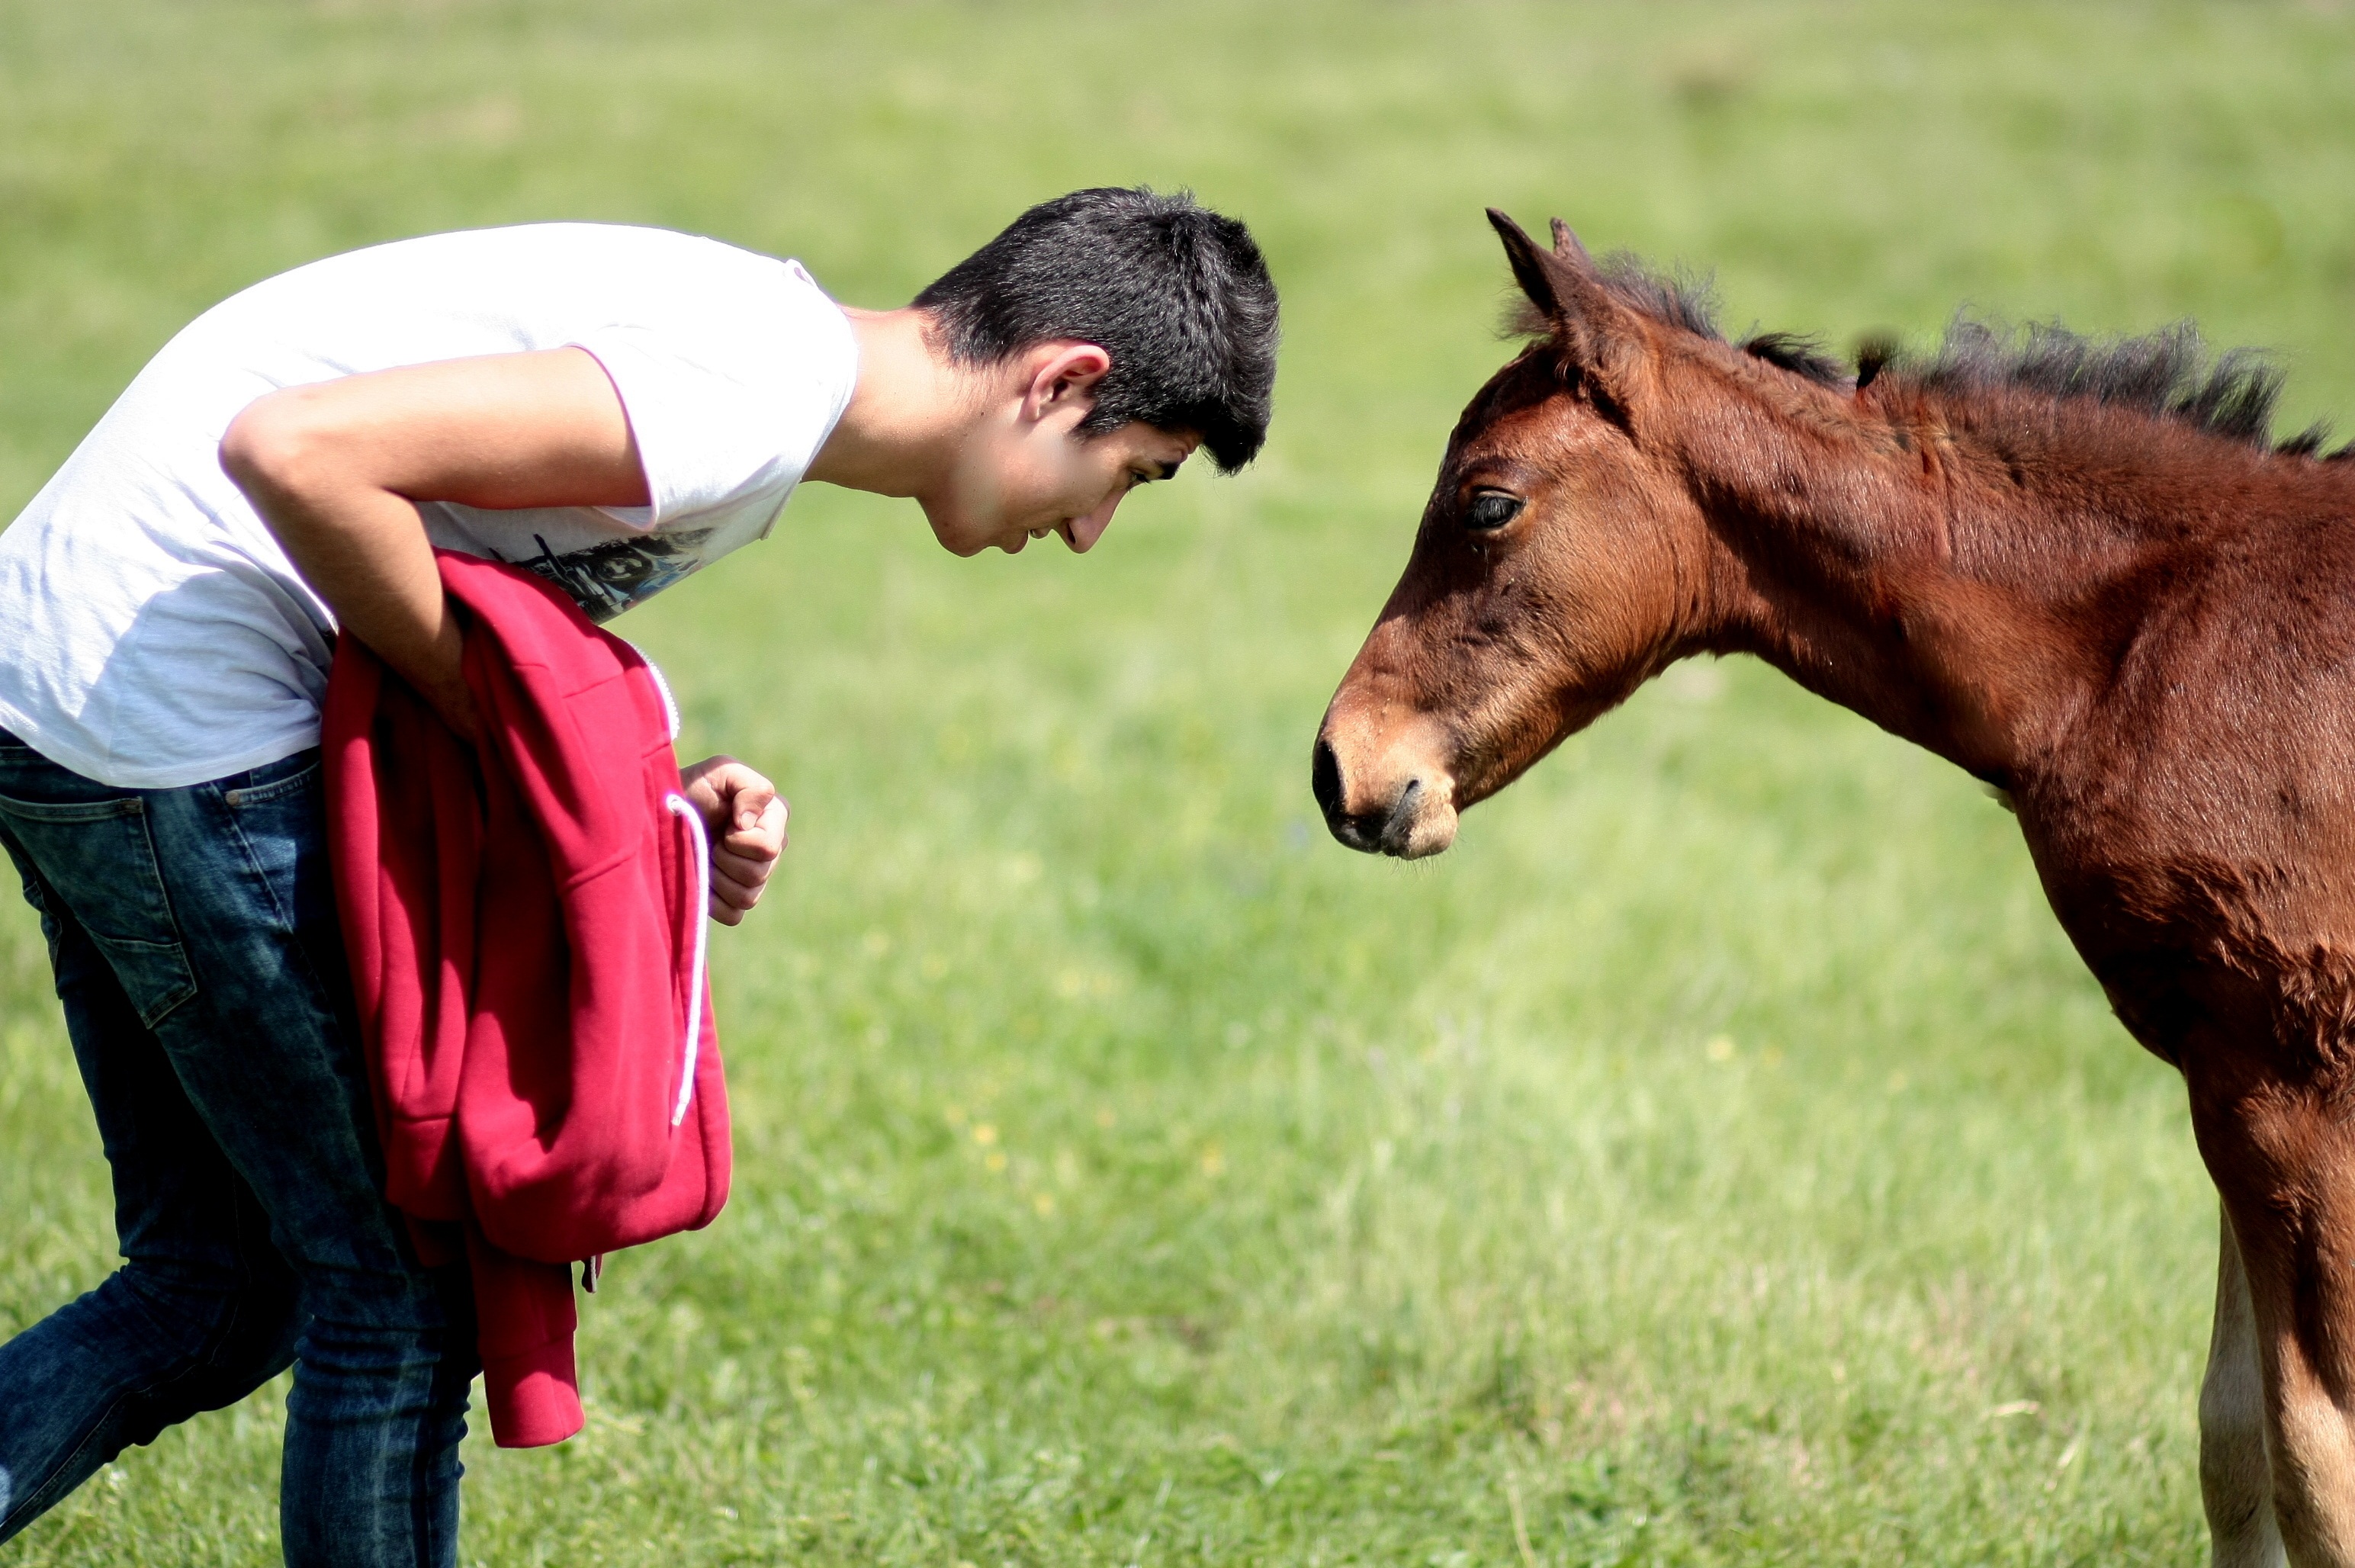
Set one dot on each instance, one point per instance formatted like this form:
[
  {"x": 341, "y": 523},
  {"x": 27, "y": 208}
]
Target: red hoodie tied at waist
[{"x": 524, "y": 917}]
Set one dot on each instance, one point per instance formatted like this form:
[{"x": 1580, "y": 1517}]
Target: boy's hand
[{"x": 746, "y": 818}]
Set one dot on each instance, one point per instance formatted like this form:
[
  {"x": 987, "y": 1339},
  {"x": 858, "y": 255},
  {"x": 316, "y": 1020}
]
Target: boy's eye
[{"x": 1491, "y": 510}]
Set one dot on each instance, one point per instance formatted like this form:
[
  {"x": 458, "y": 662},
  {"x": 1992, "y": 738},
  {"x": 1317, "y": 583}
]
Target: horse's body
[{"x": 2075, "y": 570}]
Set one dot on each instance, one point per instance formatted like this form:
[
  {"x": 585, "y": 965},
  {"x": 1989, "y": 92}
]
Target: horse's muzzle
[{"x": 1393, "y": 799}]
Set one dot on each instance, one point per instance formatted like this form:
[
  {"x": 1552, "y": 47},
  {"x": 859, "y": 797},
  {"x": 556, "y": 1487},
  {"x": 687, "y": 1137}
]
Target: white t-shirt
[{"x": 153, "y": 633}]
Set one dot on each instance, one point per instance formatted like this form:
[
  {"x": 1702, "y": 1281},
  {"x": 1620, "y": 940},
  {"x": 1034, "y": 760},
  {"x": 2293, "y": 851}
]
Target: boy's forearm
[
  {"x": 335, "y": 468},
  {"x": 363, "y": 549}
]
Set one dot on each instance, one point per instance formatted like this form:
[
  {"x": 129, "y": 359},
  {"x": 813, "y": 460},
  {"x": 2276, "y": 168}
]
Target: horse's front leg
[
  {"x": 2235, "y": 1483},
  {"x": 2283, "y": 1154}
]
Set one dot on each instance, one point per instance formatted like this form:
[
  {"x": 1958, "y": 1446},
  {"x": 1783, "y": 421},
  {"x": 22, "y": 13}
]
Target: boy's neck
[{"x": 908, "y": 412}]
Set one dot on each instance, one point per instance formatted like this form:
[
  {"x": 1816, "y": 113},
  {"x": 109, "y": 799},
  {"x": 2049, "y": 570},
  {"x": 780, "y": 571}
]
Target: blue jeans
[{"x": 195, "y": 940}]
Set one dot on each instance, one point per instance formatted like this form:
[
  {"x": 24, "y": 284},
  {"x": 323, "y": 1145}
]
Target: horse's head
[{"x": 1557, "y": 559}]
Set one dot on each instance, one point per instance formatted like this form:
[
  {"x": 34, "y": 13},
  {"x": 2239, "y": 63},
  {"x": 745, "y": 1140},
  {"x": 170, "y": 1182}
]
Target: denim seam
[
  {"x": 318, "y": 992},
  {"x": 171, "y": 921},
  {"x": 322, "y": 996},
  {"x": 262, "y": 794},
  {"x": 254, "y": 864},
  {"x": 72, "y": 810},
  {"x": 46, "y": 1495},
  {"x": 136, "y": 808},
  {"x": 179, "y": 941}
]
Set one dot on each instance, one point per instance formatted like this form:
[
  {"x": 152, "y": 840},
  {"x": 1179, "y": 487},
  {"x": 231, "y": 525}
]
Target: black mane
[{"x": 2168, "y": 373}]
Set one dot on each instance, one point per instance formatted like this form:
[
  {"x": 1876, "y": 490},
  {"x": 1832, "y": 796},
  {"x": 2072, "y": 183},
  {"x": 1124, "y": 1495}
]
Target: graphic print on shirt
[{"x": 606, "y": 578}]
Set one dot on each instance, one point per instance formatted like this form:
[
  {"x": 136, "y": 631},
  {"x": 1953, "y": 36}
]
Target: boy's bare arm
[{"x": 335, "y": 469}]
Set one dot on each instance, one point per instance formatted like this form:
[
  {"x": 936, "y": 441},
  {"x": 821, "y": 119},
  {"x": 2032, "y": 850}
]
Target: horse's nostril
[
  {"x": 1325, "y": 779},
  {"x": 1399, "y": 828}
]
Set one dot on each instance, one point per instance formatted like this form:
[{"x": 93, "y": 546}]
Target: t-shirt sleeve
[{"x": 730, "y": 395}]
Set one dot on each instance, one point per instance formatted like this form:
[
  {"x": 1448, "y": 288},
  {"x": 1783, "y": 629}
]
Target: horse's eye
[{"x": 1491, "y": 510}]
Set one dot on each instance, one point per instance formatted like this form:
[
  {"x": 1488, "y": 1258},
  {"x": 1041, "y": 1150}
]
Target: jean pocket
[
  {"x": 301, "y": 771},
  {"x": 279, "y": 816},
  {"x": 99, "y": 860}
]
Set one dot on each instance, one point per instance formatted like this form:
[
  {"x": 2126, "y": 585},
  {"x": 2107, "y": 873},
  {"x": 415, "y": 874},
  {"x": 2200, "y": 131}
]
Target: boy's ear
[
  {"x": 1063, "y": 373},
  {"x": 1601, "y": 339}
]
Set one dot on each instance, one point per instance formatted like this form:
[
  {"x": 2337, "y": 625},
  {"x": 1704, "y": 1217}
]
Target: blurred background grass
[{"x": 1718, "y": 1157}]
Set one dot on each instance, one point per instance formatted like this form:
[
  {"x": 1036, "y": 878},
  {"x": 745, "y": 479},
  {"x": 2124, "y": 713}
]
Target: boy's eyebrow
[{"x": 1166, "y": 470}]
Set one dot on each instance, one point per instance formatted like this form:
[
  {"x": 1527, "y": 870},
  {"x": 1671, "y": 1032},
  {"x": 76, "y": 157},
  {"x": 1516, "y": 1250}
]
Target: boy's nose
[{"x": 1085, "y": 531}]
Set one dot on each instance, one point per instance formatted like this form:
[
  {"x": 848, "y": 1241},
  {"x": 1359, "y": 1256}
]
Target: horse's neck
[{"x": 1936, "y": 607}]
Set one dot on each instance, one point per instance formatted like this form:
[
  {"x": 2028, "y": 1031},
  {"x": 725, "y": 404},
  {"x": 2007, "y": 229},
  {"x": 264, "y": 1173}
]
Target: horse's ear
[
  {"x": 1530, "y": 268},
  {"x": 1600, "y": 334}
]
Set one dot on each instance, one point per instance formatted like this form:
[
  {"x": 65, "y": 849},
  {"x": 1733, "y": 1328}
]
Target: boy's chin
[
  {"x": 959, "y": 536},
  {"x": 969, "y": 540}
]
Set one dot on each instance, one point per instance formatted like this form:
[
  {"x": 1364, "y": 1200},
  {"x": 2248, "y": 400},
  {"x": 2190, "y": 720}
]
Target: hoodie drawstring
[{"x": 684, "y": 809}]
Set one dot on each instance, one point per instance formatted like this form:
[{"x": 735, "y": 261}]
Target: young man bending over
[{"x": 611, "y": 407}]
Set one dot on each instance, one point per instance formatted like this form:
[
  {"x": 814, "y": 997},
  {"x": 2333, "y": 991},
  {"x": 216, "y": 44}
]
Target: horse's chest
[{"x": 2225, "y": 917}]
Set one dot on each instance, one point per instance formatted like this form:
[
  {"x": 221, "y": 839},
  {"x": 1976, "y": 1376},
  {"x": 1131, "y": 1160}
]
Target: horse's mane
[{"x": 2168, "y": 373}]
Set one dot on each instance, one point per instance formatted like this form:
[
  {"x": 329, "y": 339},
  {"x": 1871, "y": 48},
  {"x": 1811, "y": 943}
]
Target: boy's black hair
[{"x": 1177, "y": 294}]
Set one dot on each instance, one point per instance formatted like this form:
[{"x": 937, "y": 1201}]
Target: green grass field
[{"x": 1718, "y": 1157}]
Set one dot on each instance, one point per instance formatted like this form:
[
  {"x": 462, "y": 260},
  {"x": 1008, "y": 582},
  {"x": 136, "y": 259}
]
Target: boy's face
[{"x": 1027, "y": 472}]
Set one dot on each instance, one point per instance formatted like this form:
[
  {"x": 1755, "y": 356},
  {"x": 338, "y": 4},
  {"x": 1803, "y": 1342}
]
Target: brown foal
[{"x": 2075, "y": 570}]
